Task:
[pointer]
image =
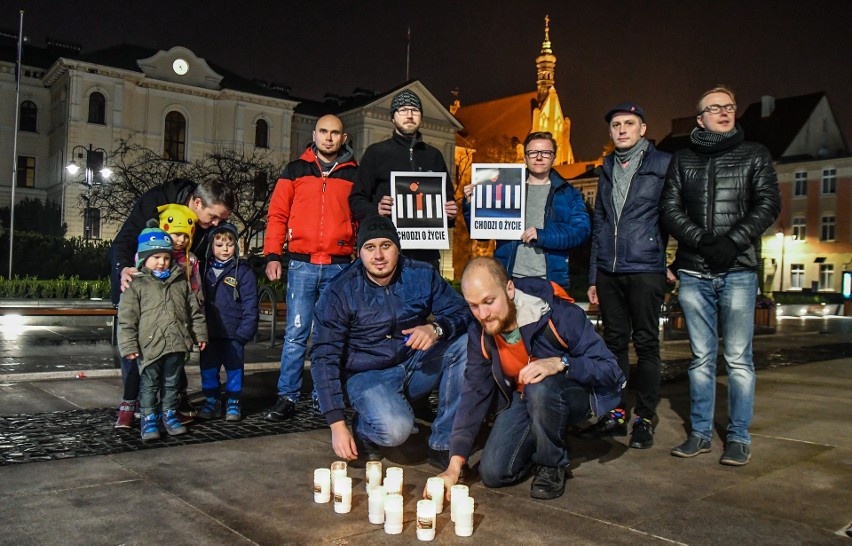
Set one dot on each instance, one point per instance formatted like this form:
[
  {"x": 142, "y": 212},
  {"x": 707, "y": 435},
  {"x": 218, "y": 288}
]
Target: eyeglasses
[
  {"x": 716, "y": 108},
  {"x": 546, "y": 154},
  {"x": 408, "y": 111}
]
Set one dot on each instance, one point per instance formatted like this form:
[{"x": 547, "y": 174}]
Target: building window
[
  {"x": 826, "y": 276},
  {"x": 261, "y": 134},
  {"x": 827, "y": 233},
  {"x": 26, "y": 171},
  {"x": 29, "y": 117},
  {"x": 92, "y": 224},
  {"x": 829, "y": 181},
  {"x": 97, "y": 108},
  {"x": 174, "y": 137},
  {"x": 797, "y": 276},
  {"x": 800, "y": 184},
  {"x": 800, "y": 230}
]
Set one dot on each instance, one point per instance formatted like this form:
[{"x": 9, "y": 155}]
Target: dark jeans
[
  {"x": 531, "y": 431},
  {"x": 130, "y": 378},
  {"x": 158, "y": 390},
  {"x": 632, "y": 301}
]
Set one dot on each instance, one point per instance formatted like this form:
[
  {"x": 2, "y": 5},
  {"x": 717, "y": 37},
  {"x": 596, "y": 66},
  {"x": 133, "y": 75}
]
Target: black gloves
[{"x": 720, "y": 253}]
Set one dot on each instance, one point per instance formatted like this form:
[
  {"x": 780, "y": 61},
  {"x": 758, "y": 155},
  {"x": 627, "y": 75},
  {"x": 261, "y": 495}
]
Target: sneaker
[
  {"x": 125, "y": 414},
  {"x": 549, "y": 482},
  {"x": 643, "y": 434},
  {"x": 367, "y": 451},
  {"x": 612, "y": 424},
  {"x": 736, "y": 454},
  {"x": 439, "y": 459},
  {"x": 212, "y": 408},
  {"x": 149, "y": 429},
  {"x": 232, "y": 413},
  {"x": 172, "y": 424},
  {"x": 691, "y": 447},
  {"x": 284, "y": 408}
]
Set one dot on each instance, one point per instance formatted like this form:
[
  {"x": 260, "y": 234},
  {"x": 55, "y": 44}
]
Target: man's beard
[{"x": 503, "y": 325}]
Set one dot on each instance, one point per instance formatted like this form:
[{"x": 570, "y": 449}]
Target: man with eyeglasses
[
  {"x": 719, "y": 196},
  {"x": 556, "y": 218},
  {"x": 627, "y": 269},
  {"x": 404, "y": 151}
]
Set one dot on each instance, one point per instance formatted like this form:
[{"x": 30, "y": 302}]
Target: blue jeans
[
  {"x": 380, "y": 397},
  {"x": 727, "y": 300},
  {"x": 531, "y": 431},
  {"x": 305, "y": 282}
]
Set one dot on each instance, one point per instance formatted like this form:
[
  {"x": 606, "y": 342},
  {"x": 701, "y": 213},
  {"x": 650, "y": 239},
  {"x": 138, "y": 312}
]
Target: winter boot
[
  {"x": 172, "y": 424},
  {"x": 125, "y": 414},
  {"x": 149, "y": 427},
  {"x": 232, "y": 413},
  {"x": 212, "y": 408}
]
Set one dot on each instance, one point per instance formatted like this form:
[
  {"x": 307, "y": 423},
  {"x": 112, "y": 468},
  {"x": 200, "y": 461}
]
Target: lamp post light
[
  {"x": 782, "y": 239},
  {"x": 95, "y": 159}
]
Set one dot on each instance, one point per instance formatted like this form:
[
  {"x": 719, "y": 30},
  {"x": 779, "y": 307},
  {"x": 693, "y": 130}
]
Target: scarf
[
  {"x": 709, "y": 143},
  {"x": 627, "y": 162}
]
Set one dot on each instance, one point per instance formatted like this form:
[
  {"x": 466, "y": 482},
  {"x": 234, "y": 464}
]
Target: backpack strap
[
  {"x": 487, "y": 344},
  {"x": 553, "y": 336}
]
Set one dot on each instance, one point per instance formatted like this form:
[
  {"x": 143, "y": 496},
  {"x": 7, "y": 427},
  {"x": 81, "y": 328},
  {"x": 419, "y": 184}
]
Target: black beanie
[
  {"x": 377, "y": 227},
  {"x": 406, "y": 97}
]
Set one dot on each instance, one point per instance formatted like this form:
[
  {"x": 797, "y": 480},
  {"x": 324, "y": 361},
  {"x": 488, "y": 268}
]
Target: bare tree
[{"x": 137, "y": 169}]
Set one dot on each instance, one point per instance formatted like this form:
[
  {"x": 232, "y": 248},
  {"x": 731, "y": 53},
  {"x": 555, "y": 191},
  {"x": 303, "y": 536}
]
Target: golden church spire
[{"x": 545, "y": 64}]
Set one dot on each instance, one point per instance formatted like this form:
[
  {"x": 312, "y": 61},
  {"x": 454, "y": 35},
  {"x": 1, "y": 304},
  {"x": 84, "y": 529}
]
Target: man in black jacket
[
  {"x": 720, "y": 195},
  {"x": 404, "y": 151},
  {"x": 627, "y": 270}
]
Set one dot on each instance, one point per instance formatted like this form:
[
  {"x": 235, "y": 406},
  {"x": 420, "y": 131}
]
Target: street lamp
[
  {"x": 783, "y": 241},
  {"x": 95, "y": 158}
]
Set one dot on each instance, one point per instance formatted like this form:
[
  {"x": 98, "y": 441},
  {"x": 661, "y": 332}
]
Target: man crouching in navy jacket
[
  {"x": 374, "y": 339},
  {"x": 539, "y": 356}
]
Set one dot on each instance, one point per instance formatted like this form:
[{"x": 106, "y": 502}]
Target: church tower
[
  {"x": 545, "y": 64},
  {"x": 547, "y": 112}
]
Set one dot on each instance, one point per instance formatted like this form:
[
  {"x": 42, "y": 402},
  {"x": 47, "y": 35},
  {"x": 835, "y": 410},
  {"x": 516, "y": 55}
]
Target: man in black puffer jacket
[{"x": 720, "y": 195}]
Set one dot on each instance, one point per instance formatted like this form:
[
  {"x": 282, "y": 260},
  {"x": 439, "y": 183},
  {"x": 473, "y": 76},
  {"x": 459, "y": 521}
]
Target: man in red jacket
[{"x": 309, "y": 211}]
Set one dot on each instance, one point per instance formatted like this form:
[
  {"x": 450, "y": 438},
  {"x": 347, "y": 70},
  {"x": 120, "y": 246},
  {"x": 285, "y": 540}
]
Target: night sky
[{"x": 661, "y": 54}]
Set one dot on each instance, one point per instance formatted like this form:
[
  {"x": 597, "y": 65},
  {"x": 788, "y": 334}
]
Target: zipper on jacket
[
  {"x": 500, "y": 388},
  {"x": 322, "y": 202},
  {"x": 711, "y": 192},
  {"x": 393, "y": 318}
]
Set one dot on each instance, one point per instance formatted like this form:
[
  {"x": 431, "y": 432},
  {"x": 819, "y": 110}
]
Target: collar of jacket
[
  {"x": 609, "y": 161},
  {"x": 722, "y": 147},
  {"x": 407, "y": 141},
  {"x": 176, "y": 272},
  {"x": 345, "y": 157},
  {"x": 397, "y": 275},
  {"x": 556, "y": 180}
]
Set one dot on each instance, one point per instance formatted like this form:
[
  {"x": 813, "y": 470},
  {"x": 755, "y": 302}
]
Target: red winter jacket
[{"x": 310, "y": 211}]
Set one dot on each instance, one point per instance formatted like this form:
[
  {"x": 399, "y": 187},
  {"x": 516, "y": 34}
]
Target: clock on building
[{"x": 180, "y": 66}]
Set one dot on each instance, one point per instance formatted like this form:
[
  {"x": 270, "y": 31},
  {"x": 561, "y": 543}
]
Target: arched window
[
  {"x": 261, "y": 134},
  {"x": 174, "y": 137},
  {"x": 97, "y": 108},
  {"x": 29, "y": 117}
]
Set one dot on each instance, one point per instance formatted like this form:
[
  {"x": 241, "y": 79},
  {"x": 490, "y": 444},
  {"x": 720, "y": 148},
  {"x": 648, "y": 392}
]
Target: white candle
[
  {"x": 457, "y": 494},
  {"x": 464, "y": 518},
  {"x": 374, "y": 473},
  {"x": 338, "y": 470},
  {"x": 322, "y": 485},
  {"x": 393, "y": 514},
  {"x": 425, "y": 520},
  {"x": 435, "y": 493},
  {"x": 343, "y": 495},
  {"x": 376, "y": 504},
  {"x": 393, "y": 480}
]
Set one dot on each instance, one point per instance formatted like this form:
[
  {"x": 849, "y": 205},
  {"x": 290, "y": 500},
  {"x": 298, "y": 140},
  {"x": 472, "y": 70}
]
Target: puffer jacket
[
  {"x": 566, "y": 225},
  {"x": 358, "y": 324},
  {"x": 591, "y": 364},
  {"x": 732, "y": 191},
  {"x": 633, "y": 243},
  {"x": 157, "y": 317}
]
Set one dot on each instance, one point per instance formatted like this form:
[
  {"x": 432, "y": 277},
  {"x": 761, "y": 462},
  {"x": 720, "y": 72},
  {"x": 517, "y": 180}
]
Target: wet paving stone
[{"x": 81, "y": 433}]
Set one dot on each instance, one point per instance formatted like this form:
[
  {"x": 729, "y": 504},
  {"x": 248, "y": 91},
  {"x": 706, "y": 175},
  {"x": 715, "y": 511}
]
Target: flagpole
[
  {"x": 408, "y": 53},
  {"x": 15, "y": 140}
]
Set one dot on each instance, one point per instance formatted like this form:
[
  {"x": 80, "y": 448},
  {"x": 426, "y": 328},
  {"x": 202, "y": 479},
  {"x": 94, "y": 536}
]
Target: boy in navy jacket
[{"x": 230, "y": 294}]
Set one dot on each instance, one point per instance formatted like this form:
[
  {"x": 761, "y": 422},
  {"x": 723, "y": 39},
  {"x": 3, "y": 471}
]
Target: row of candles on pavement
[{"x": 385, "y": 500}]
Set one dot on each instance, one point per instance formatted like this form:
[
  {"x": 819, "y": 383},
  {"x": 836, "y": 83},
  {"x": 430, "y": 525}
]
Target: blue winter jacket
[
  {"x": 230, "y": 302},
  {"x": 634, "y": 243},
  {"x": 591, "y": 364},
  {"x": 358, "y": 324},
  {"x": 566, "y": 225}
]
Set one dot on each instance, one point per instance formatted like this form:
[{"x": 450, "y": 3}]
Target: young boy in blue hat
[{"x": 158, "y": 323}]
